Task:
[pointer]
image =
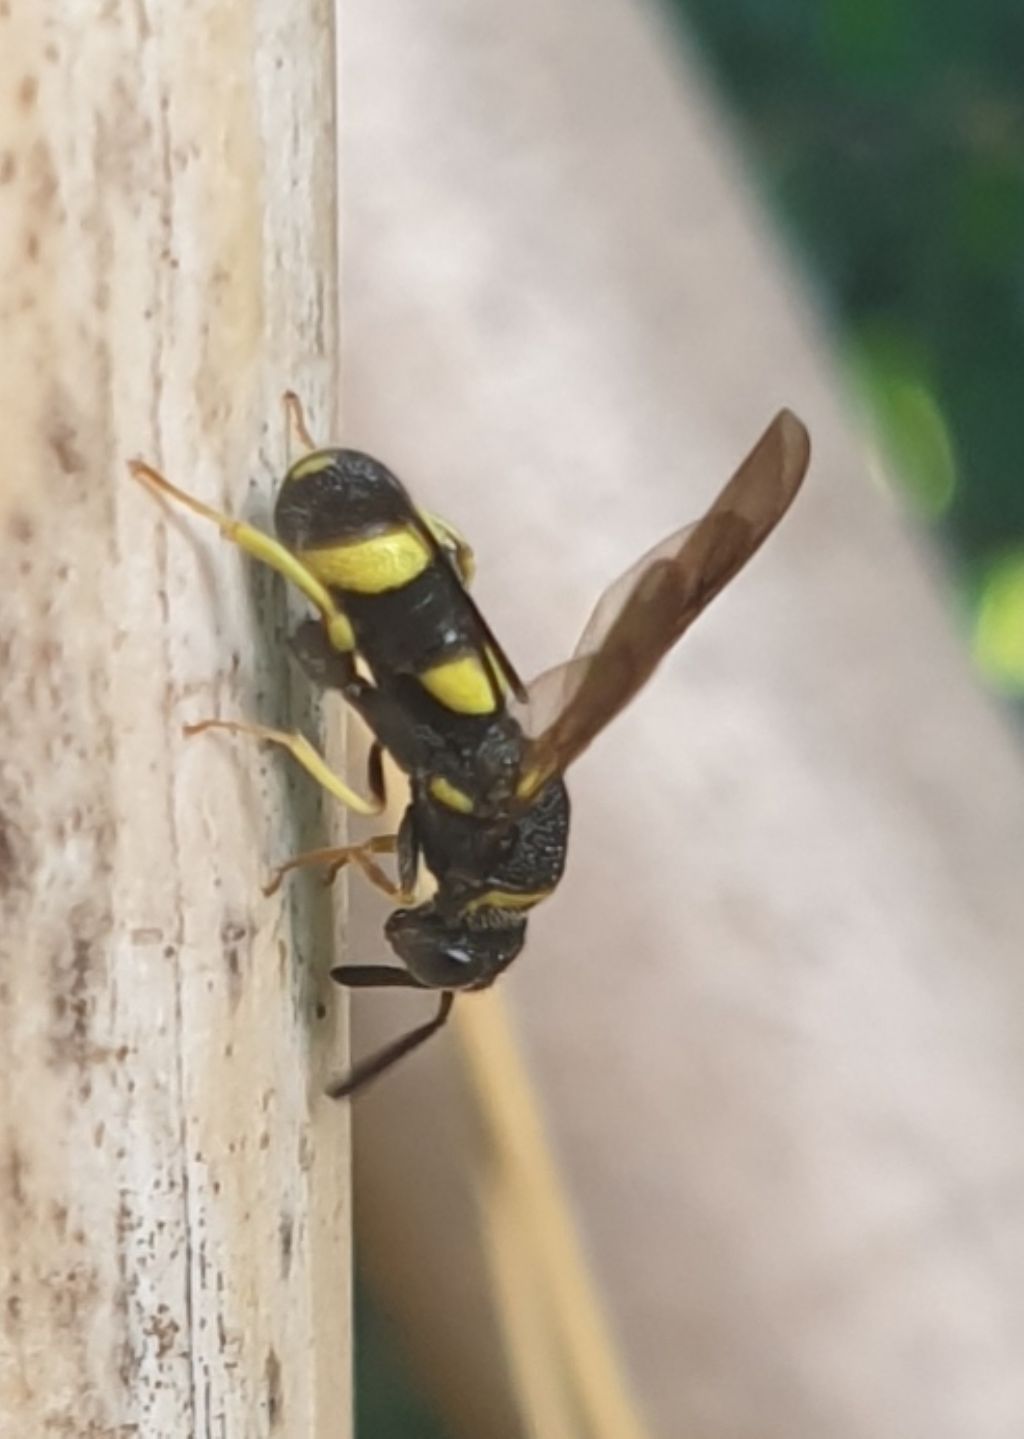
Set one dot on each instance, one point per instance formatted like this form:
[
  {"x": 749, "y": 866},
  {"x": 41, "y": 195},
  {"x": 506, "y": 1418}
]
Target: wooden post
[{"x": 173, "y": 1187}]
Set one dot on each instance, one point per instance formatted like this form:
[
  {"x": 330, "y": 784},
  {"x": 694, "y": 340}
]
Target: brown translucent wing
[
  {"x": 552, "y": 691},
  {"x": 642, "y": 615}
]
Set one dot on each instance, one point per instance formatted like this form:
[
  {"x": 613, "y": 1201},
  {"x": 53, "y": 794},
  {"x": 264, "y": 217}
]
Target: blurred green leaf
[
  {"x": 999, "y": 627},
  {"x": 890, "y": 371},
  {"x": 891, "y": 133}
]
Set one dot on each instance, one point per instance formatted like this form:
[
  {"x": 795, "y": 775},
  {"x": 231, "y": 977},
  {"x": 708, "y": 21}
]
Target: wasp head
[{"x": 451, "y": 951}]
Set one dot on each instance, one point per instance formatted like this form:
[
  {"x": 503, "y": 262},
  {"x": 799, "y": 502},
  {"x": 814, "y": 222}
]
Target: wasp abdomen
[{"x": 396, "y": 573}]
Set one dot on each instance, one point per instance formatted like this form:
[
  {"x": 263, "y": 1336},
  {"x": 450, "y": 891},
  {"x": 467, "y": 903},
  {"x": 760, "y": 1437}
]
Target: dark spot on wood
[
  {"x": 61, "y": 436},
  {"x": 125, "y": 1362},
  {"x": 321, "y": 1009},
  {"x": 43, "y": 178},
  {"x": 162, "y": 1327},
  {"x": 275, "y": 1398},
  {"x": 14, "y": 1175},
  {"x": 123, "y": 1223},
  {"x": 32, "y": 246},
  {"x": 286, "y": 1235},
  {"x": 28, "y": 92},
  {"x": 74, "y": 1290},
  {"x": 8, "y": 166},
  {"x": 81, "y": 968},
  {"x": 8, "y": 856},
  {"x": 19, "y": 527},
  {"x": 232, "y": 933}
]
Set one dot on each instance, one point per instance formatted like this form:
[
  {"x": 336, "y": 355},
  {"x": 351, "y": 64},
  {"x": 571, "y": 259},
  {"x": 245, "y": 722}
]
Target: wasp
[{"x": 403, "y": 641}]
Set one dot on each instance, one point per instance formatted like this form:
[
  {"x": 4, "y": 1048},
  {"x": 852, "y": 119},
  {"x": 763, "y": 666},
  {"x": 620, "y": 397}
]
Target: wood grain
[{"x": 173, "y": 1189}]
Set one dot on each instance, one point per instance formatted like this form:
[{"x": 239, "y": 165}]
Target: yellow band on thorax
[{"x": 370, "y": 567}]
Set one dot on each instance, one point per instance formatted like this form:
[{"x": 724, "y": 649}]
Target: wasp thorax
[{"x": 496, "y": 765}]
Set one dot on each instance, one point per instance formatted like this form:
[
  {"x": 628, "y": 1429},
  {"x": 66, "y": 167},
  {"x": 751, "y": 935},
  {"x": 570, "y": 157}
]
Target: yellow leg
[
  {"x": 295, "y": 418},
  {"x": 309, "y": 758},
  {"x": 336, "y": 858},
  {"x": 261, "y": 546}
]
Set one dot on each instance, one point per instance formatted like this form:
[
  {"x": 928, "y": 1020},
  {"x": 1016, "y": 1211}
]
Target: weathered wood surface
[
  {"x": 775, "y": 1009},
  {"x": 173, "y": 1188}
]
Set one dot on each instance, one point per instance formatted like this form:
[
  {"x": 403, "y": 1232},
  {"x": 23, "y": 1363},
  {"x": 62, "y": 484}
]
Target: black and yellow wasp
[{"x": 400, "y": 637}]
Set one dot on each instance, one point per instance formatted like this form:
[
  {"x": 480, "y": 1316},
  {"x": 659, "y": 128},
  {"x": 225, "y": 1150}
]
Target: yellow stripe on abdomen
[
  {"x": 462, "y": 685},
  {"x": 370, "y": 567},
  {"x": 506, "y": 899}
]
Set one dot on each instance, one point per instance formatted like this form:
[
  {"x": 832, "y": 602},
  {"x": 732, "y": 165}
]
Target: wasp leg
[
  {"x": 309, "y": 758},
  {"x": 375, "y": 773},
  {"x": 373, "y": 872},
  {"x": 360, "y": 1075},
  {"x": 408, "y": 851},
  {"x": 337, "y": 857},
  {"x": 261, "y": 546}
]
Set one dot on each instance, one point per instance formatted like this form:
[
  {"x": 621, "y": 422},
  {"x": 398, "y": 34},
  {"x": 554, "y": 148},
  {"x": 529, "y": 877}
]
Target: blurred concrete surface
[{"x": 775, "y": 1009}]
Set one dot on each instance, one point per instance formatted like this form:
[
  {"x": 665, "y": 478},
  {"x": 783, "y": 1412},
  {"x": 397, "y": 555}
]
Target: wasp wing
[
  {"x": 551, "y": 692},
  {"x": 642, "y": 615}
]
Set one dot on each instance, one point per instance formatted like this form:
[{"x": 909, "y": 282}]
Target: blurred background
[
  {"x": 772, "y": 1020},
  {"x": 888, "y": 140}
]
